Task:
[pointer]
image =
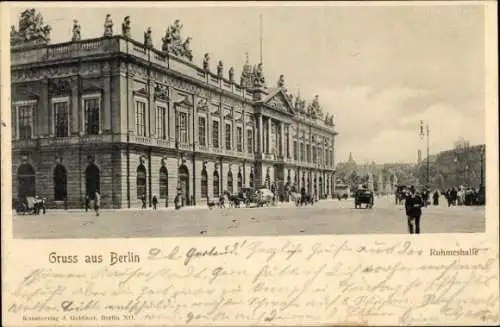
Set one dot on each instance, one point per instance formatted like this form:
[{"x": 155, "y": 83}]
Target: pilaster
[
  {"x": 44, "y": 112},
  {"x": 106, "y": 85},
  {"x": 75, "y": 105}
]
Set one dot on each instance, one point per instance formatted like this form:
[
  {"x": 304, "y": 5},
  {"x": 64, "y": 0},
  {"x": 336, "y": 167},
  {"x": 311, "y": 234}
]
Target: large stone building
[{"x": 119, "y": 116}]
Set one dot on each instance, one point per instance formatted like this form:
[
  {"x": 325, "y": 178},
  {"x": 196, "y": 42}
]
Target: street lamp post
[{"x": 427, "y": 131}]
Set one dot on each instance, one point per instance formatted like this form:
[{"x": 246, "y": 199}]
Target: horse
[{"x": 296, "y": 198}]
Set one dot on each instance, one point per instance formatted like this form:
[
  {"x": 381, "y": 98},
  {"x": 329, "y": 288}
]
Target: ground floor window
[
  {"x": 60, "y": 183},
  {"x": 216, "y": 184},
  {"x": 26, "y": 181},
  {"x": 240, "y": 182},
  {"x": 204, "y": 183},
  {"x": 230, "y": 182},
  {"x": 163, "y": 183},
  {"x": 141, "y": 182}
]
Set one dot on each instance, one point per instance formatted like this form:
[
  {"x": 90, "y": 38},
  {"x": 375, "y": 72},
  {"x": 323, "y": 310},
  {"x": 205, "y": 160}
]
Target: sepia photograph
[
  {"x": 272, "y": 121},
  {"x": 249, "y": 163}
]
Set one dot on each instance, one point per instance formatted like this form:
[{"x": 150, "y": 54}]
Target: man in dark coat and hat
[{"x": 413, "y": 206}]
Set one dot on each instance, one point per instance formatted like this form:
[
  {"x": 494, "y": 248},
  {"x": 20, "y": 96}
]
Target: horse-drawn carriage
[
  {"x": 363, "y": 196},
  {"x": 30, "y": 205}
]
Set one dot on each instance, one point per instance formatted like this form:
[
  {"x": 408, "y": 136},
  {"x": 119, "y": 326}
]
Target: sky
[{"x": 379, "y": 69}]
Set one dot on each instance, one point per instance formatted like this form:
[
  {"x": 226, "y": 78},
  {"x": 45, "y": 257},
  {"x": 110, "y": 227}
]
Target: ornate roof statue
[
  {"x": 329, "y": 119},
  {"x": 314, "y": 108},
  {"x": 246, "y": 74},
  {"x": 173, "y": 43},
  {"x": 220, "y": 68},
  {"x": 126, "y": 27},
  {"x": 188, "y": 53},
  {"x": 231, "y": 74},
  {"x": 167, "y": 41},
  {"x": 148, "y": 39},
  {"x": 281, "y": 81},
  {"x": 108, "y": 26},
  {"x": 206, "y": 62},
  {"x": 258, "y": 76},
  {"x": 31, "y": 29},
  {"x": 300, "y": 104},
  {"x": 76, "y": 31}
]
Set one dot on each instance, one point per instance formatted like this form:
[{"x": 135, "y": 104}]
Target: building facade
[{"x": 115, "y": 115}]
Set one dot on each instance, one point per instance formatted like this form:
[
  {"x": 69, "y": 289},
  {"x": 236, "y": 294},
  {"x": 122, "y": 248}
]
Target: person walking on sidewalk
[
  {"x": 97, "y": 203},
  {"x": 413, "y": 206},
  {"x": 155, "y": 202}
]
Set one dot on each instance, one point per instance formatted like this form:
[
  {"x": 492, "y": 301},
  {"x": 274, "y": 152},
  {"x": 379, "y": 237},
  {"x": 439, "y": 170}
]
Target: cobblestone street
[{"x": 326, "y": 217}]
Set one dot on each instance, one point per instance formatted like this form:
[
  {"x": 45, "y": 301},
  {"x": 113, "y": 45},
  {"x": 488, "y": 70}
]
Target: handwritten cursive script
[{"x": 255, "y": 282}]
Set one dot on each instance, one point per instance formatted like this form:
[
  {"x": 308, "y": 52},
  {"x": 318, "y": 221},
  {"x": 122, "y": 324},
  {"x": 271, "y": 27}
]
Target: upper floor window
[
  {"x": 202, "y": 131},
  {"x": 91, "y": 111},
  {"x": 308, "y": 153},
  {"x": 61, "y": 116},
  {"x": 182, "y": 127},
  {"x": 302, "y": 152},
  {"x": 24, "y": 111},
  {"x": 239, "y": 139},
  {"x": 140, "y": 118},
  {"x": 161, "y": 122},
  {"x": 314, "y": 155},
  {"x": 295, "y": 151},
  {"x": 250, "y": 141},
  {"x": 215, "y": 133},
  {"x": 228, "y": 132}
]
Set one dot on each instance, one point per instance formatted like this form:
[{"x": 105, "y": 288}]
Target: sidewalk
[{"x": 196, "y": 207}]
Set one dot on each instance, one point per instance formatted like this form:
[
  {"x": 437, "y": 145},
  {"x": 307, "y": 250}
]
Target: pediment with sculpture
[{"x": 280, "y": 102}]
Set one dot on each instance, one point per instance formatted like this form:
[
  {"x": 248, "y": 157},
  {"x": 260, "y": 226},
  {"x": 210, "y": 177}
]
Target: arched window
[
  {"x": 60, "y": 183},
  {"x": 240, "y": 182},
  {"x": 25, "y": 181},
  {"x": 163, "y": 183},
  {"x": 141, "y": 181},
  {"x": 204, "y": 183},
  {"x": 230, "y": 182},
  {"x": 250, "y": 183},
  {"x": 216, "y": 184},
  {"x": 92, "y": 179}
]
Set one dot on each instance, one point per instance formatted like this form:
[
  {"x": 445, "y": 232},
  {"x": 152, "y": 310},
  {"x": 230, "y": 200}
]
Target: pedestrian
[
  {"x": 413, "y": 206},
  {"x": 435, "y": 198},
  {"x": 155, "y": 202},
  {"x": 97, "y": 203},
  {"x": 178, "y": 201},
  {"x": 143, "y": 199},
  {"x": 87, "y": 202}
]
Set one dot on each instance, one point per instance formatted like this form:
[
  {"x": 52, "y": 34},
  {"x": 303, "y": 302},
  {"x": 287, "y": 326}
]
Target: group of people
[
  {"x": 461, "y": 196},
  {"x": 34, "y": 205}
]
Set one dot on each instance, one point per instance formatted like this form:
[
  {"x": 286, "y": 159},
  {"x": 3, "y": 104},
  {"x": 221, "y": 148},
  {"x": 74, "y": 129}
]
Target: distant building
[{"x": 118, "y": 116}]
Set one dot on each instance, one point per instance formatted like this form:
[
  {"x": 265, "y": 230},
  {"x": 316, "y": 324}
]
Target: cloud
[{"x": 383, "y": 125}]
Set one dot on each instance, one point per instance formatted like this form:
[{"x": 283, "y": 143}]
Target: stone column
[
  {"x": 172, "y": 119},
  {"x": 75, "y": 105},
  {"x": 151, "y": 110},
  {"x": 290, "y": 141},
  {"x": 43, "y": 113},
  {"x": 106, "y": 85},
  {"x": 244, "y": 139},
  {"x": 261, "y": 135},
  {"x": 233, "y": 131},
  {"x": 209, "y": 129},
  {"x": 282, "y": 139},
  {"x": 222, "y": 126},
  {"x": 131, "y": 104},
  {"x": 268, "y": 136},
  {"x": 196, "y": 129}
]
